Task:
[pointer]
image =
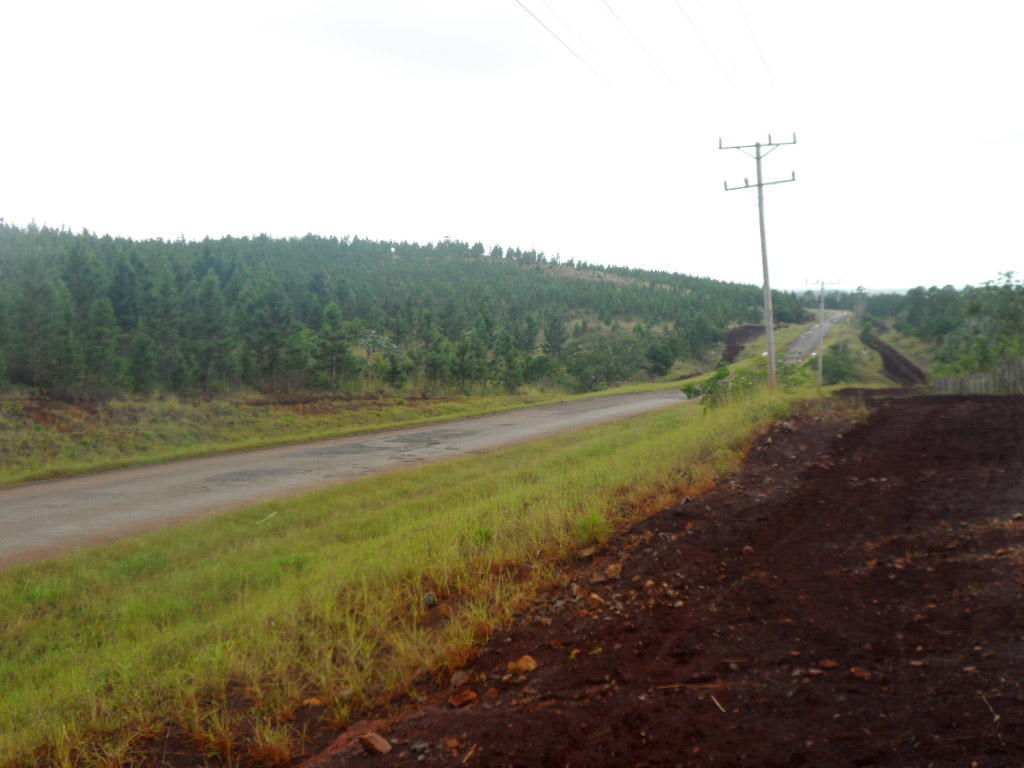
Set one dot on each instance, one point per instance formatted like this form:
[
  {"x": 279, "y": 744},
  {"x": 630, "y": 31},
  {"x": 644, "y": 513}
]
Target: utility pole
[
  {"x": 759, "y": 154},
  {"x": 821, "y": 328}
]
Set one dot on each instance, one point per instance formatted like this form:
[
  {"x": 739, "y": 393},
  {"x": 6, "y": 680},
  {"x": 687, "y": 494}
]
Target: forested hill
[{"x": 87, "y": 316}]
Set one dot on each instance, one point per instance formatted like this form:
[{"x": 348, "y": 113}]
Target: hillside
[{"x": 83, "y": 316}]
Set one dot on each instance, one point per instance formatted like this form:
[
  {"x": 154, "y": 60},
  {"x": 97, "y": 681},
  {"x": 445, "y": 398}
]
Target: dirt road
[
  {"x": 851, "y": 599},
  {"x": 47, "y": 519},
  {"x": 806, "y": 343}
]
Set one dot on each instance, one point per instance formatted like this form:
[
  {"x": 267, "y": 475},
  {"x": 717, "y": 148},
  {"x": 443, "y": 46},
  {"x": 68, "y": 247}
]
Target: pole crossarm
[
  {"x": 747, "y": 185},
  {"x": 762, "y": 144},
  {"x": 759, "y": 153}
]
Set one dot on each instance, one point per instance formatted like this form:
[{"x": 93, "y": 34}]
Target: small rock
[
  {"x": 588, "y": 551},
  {"x": 463, "y": 697},
  {"x": 430, "y": 600},
  {"x": 916, "y": 663},
  {"x": 523, "y": 665},
  {"x": 374, "y": 743},
  {"x": 860, "y": 672},
  {"x": 649, "y": 584},
  {"x": 613, "y": 571},
  {"x": 971, "y": 670},
  {"x": 748, "y": 550},
  {"x": 459, "y": 678}
]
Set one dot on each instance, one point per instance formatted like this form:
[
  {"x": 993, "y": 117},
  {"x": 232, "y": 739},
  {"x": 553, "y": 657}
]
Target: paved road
[
  {"x": 806, "y": 343},
  {"x": 47, "y": 519}
]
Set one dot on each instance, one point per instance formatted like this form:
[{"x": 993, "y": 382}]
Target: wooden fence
[{"x": 1008, "y": 380}]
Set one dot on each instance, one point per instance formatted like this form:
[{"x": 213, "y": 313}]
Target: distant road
[
  {"x": 806, "y": 343},
  {"x": 48, "y": 519}
]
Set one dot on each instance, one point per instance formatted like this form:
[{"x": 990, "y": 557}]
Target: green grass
[
  {"x": 783, "y": 336},
  {"x": 40, "y": 440},
  {"x": 867, "y": 363},
  {"x": 322, "y": 595},
  {"x": 921, "y": 353}
]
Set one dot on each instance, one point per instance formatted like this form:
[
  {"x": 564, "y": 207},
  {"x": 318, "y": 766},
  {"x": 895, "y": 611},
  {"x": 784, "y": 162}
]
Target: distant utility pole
[
  {"x": 821, "y": 327},
  {"x": 769, "y": 318}
]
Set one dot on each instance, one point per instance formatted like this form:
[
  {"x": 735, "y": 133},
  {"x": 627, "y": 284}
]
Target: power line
[
  {"x": 638, "y": 42},
  {"x": 564, "y": 44},
  {"x": 769, "y": 321},
  {"x": 565, "y": 24},
  {"x": 701, "y": 38},
  {"x": 753, "y": 37},
  {"x": 556, "y": 14}
]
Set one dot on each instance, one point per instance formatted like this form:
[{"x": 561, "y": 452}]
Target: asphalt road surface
[
  {"x": 806, "y": 343},
  {"x": 48, "y": 519}
]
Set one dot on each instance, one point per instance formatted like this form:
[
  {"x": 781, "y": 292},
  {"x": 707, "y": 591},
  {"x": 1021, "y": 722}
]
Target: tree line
[
  {"x": 89, "y": 316},
  {"x": 976, "y": 328}
]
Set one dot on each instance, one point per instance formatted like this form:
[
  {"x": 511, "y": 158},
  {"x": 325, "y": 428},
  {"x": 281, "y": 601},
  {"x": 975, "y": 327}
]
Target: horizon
[
  {"x": 487, "y": 248},
  {"x": 557, "y": 131}
]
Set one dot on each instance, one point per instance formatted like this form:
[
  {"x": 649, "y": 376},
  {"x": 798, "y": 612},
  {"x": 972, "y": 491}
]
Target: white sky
[{"x": 397, "y": 119}]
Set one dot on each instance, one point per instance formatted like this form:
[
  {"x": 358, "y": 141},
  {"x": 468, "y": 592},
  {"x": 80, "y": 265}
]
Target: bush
[{"x": 724, "y": 386}]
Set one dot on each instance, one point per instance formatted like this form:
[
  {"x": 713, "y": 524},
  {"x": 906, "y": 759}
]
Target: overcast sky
[{"x": 415, "y": 120}]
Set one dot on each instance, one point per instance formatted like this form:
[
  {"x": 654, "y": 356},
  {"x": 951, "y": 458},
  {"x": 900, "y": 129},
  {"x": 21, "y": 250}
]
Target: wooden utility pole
[
  {"x": 821, "y": 329},
  {"x": 759, "y": 154}
]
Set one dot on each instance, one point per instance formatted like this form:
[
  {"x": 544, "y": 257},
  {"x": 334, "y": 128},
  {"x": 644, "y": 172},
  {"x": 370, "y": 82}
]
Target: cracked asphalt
[{"x": 48, "y": 519}]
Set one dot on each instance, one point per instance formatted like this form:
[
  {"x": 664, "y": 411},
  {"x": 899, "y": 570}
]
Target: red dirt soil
[
  {"x": 737, "y": 338},
  {"x": 895, "y": 366},
  {"x": 853, "y": 598}
]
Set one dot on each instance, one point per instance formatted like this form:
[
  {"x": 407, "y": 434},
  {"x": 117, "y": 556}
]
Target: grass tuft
[{"x": 216, "y": 632}]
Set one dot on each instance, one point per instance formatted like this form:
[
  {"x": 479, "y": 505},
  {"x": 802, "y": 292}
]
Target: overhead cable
[
  {"x": 701, "y": 38},
  {"x": 638, "y": 42},
  {"x": 753, "y": 37},
  {"x": 564, "y": 44}
]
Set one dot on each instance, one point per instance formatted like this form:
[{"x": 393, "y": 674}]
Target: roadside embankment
[
  {"x": 234, "y": 639},
  {"x": 850, "y": 599},
  {"x": 894, "y": 365}
]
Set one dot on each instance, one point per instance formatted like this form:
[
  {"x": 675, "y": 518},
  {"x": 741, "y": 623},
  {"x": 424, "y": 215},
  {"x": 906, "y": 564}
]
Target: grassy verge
[
  {"x": 217, "y": 632},
  {"x": 919, "y": 352},
  {"x": 40, "y": 440},
  {"x": 783, "y": 337},
  {"x": 867, "y": 363}
]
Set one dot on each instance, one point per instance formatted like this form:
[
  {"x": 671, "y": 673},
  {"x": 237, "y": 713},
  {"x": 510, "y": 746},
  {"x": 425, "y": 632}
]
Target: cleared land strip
[
  {"x": 807, "y": 343},
  {"x": 52, "y": 518}
]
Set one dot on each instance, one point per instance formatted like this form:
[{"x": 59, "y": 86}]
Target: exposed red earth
[
  {"x": 852, "y": 598},
  {"x": 894, "y": 365},
  {"x": 737, "y": 338}
]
